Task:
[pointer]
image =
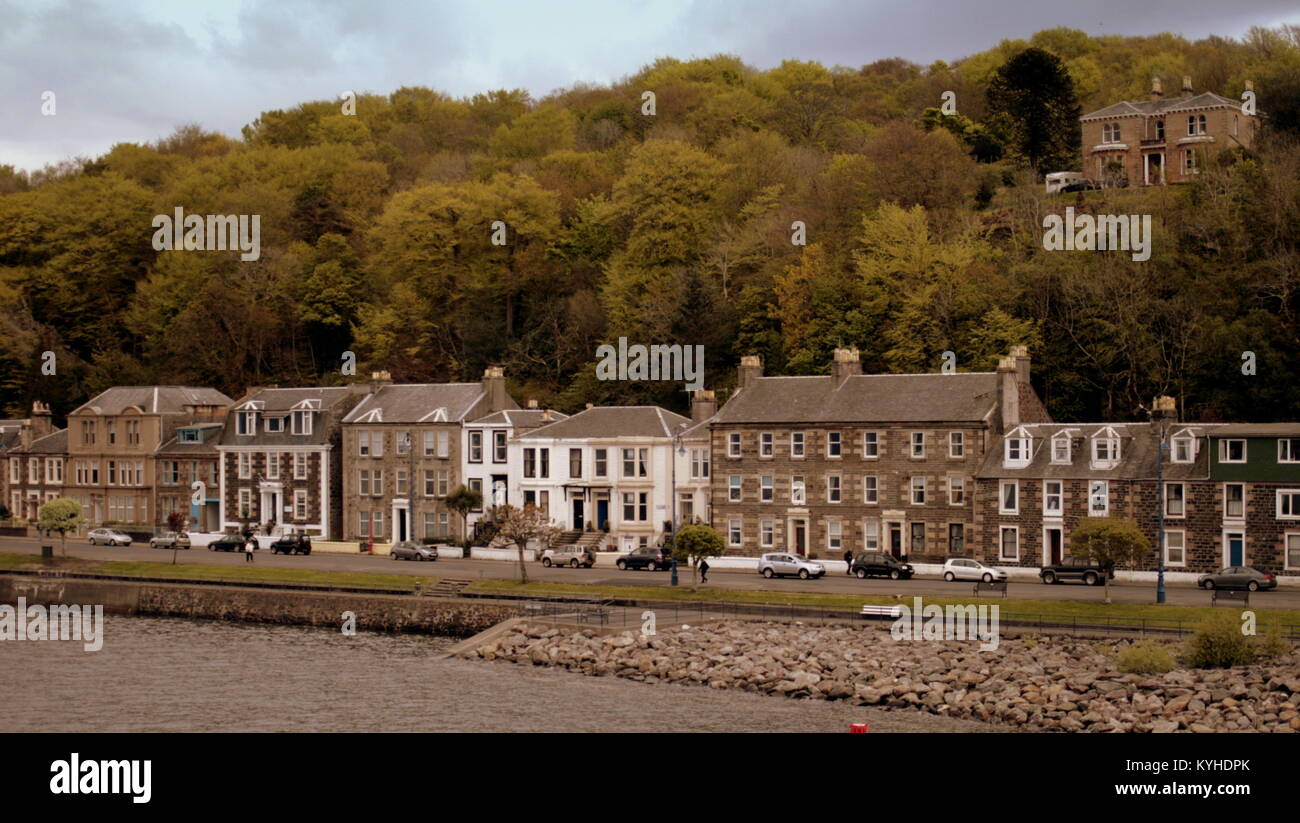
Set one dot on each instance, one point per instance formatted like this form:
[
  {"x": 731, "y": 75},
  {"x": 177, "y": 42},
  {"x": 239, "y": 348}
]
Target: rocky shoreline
[{"x": 1030, "y": 682}]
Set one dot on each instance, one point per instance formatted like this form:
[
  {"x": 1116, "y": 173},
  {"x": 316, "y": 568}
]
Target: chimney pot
[
  {"x": 844, "y": 365},
  {"x": 751, "y": 369},
  {"x": 704, "y": 404},
  {"x": 532, "y": 403},
  {"x": 1156, "y": 89},
  {"x": 1187, "y": 84}
]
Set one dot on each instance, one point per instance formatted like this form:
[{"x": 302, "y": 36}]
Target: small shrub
[
  {"x": 1145, "y": 658},
  {"x": 1218, "y": 644},
  {"x": 1272, "y": 644}
]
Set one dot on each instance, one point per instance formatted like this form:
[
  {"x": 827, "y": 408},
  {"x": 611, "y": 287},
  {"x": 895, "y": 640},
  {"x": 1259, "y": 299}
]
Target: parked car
[
  {"x": 646, "y": 557},
  {"x": 879, "y": 564},
  {"x": 571, "y": 556},
  {"x": 228, "y": 543},
  {"x": 966, "y": 568},
  {"x": 410, "y": 550},
  {"x": 1238, "y": 577},
  {"x": 292, "y": 544},
  {"x": 170, "y": 540},
  {"x": 1076, "y": 568},
  {"x": 108, "y": 537},
  {"x": 779, "y": 564},
  {"x": 1080, "y": 185}
]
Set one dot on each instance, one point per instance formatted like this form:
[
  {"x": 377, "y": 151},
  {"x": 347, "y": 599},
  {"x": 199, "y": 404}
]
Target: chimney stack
[
  {"x": 494, "y": 386},
  {"x": 1021, "y": 355},
  {"x": 1009, "y": 393},
  {"x": 1156, "y": 90},
  {"x": 589, "y": 405},
  {"x": 546, "y": 415},
  {"x": 1164, "y": 408},
  {"x": 42, "y": 420},
  {"x": 1187, "y": 84},
  {"x": 751, "y": 368},
  {"x": 845, "y": 364},
  {"x": 704, "y": 404},
  {"x": 379, "y": 379},
  {"x": 532, "y": 402}
]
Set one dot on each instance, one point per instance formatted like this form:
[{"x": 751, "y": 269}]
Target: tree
[
  {"x": 1034, "y": 90},
  {"x": 462, "y": 501},
  {"x": 1109, "y": 542},
  {"x": 61, "y": 515},
  {"x": 694, "y": 543},
  {"x": 523, "y": 526},
  {"x": 176, "y": 525}
]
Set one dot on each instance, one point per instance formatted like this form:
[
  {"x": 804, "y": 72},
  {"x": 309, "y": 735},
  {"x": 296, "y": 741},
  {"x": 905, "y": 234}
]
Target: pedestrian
[
  {"x": 848, "y": 561},
  {"x": 704, "y": 570},
  {"x": 249, "y": 545}
]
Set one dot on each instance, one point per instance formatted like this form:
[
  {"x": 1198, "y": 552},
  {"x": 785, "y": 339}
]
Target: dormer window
[
  {"x": 275, "y": 424},
  {"x": 1016, "y": 448},
  {"x": 1061, "y": 449},
  {"x": 302, "y": 422},
  {"x": 246, "y": 423},
  {"x": 1105, "y": 449},
  {"x": 1182, "y": 447},
  {"x": 188, "y": 436}
]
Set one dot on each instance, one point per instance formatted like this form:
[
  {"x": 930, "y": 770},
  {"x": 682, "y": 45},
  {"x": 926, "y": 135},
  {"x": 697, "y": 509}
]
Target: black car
[
  {"x": 1088, "y": 572},
  {"x": 1238, "y": 577},
  {"x": 646, "y": 557},
  {"x": 879, "y": 564},
  {"x": 292, "y": 544},
  {"x": 228, "y": 543}
]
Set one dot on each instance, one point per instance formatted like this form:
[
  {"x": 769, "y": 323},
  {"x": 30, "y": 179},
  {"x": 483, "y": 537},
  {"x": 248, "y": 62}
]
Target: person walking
[
  {"x": 848, "y": 561},
  {"x": 704, "y": 570},
  {"x": 249, "y": 545}
]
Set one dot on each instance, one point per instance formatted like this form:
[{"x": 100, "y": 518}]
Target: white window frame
[
  {"x": 834, "y": 535},
  {"x": 766, "y": 445},
  {"x": 1002, "y": 542},
  {"x": 1110, "y": 439},
  {"x": 913, "y": 488},
  {"x": 735, "y": 488},
  {"x": 766, "y": 533},
  {"x": 871, "y": 490},
  {"x": 834, "y": 488},
  {"x": 916, "y": 445},
  {"x": 1294, "y": 495},
  {"x": 1225, "y": 449},
  {"x": 1059, "y": 494},
  {"x": 798, "y": 490},
  {"x": 735, "y": 532},
  {"x": 798, "y": 445},
  {"x": 1068, "y": 458},
  {"x": 1014, "y": 487},
  {"x": 1093, "y": 494},
  {"x": 957, "y": 484},
  {"x": 300, "y": 466},
  {"x": 733, "y": 444},
  {"x": 1286, "y": 555},
  {"x": 871, "y": 445},
  {"x": 834, "y": 445},
  {"x": 1226, "y": 514},
  {"x": 766, "y": 488},
  {"x": 1164, "y": 501},
  {"x": 1178, "y": 441},
  {"x": 957, "y": 445},
  {"x": 1284, "y": 452},
  {"x": 1182, "y": 536}
]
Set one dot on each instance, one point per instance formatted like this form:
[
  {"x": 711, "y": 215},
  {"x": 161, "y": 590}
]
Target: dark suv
[
  {"x": 879, "y": 564},
  {"x": 292, "y": 544},
  {"x": 1089, "y": 572},
  {"x": 227, "y": 543},
  {"x": 646, "y": 557}
]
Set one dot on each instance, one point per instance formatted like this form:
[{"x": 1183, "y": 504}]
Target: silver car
[
  {"x": 108, "y": 537},
  {"x": 170, "y": 540},
  {"x": 408, "y": 550},
  {"x": 965, "y": 568},
  {"x": 571, "y": 556},
  {"x": 780, "y": 564}
]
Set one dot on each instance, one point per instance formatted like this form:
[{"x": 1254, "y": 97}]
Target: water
[{"x": 163, "y": 674}]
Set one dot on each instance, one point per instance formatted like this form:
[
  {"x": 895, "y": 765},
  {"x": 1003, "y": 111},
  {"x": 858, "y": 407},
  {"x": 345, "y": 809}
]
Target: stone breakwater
[{"x": 1046, "y": 684}]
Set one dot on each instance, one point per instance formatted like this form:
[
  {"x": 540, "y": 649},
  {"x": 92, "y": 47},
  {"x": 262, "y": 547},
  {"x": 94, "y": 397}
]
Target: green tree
[
  {"x": 695, "y": 543},
  {"x": 61, "y": 515},
  {"x": 462, "y": 501},
  {"x": 1109, "y": 542},
  {"x": 1034, "y": 90}
]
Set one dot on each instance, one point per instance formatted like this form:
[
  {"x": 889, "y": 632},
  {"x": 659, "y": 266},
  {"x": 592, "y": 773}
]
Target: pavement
[{"x": 1177, "y": 594}]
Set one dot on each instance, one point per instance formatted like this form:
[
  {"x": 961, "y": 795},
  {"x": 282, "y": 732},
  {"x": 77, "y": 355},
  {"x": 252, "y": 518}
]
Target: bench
[
  {"x": 879, "y": 612},
  {"x": 1240, "y": 595},
  {"x": 992, "y": 586}
]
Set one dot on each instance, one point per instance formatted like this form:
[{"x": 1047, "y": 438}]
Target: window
[
  {"x": 956, "y": 538},
  {"x": 871, "y": 535},
  {"x": 300, "y": 466},
  {"x": 476, "y": 484},
  {"x": 601, "y": 468},
  {"x": 834, "y": 535},
  {"x": 476, "y": 447},
  {"x": 272, "y": 466},
  {"x": 245, "y": 466},
  {"x": 16, "y": 471},
  {"x": 363, "y": 444},
  {"x": 1234, "y": 500},
  {"x": 428, "y": 483},
  {"x": 797, "y": 495},
  {"x": 1160, "y": 130},
  {"x": 833, "y": 444},
  {"x": 765, "y": 444},
  {"x": 1292, "y": 558},
  {"x": 767, "y": 489},
  {"x": 377, "y": 444},
  {"x": 1061, "y": 449},
  {"x": 53, "y": 470},
  {"x": 635, "y": 507},
  {"x": 956, "y": 491},
  {"x": 575, "y": 462},
  {"x": 379, "y": 524},
  {"x": 1016, "y": 450},
  {"x": 1110, "y": 133},
  {"x": 1175, "y": 499},
  {"x": 1189, "y": 161},
  {"x": 796, "y": 444},
  {"x": 1175, "y": 548},
  {"x": 133, "y": 432},
  {"x": 733, "y": 444},
  {"x": 363, "y": 481},
  {"x": 1288, "y": 504},
  {"x": 402, "y": 440},
  {"x": 444, "y": 483},
  {"x": 1196, "y": 124},
  {"x": 734, "y": 488},
  {"x": 1232, "y": 451},
  {"x": 1183, "y": 449},
  {"x": 1288, "y": 450},
  {"x": 870, "y": 445},
  {"x": 871, "y": 490},
  {"x": 274, "y": 424},
  {"x": 378, "y": 482},
  {"x": 643, "y": 462},
  {"x": 956, "y": 444},
  {"x": 245, "y": 423},
  {"x": 530, "y": 462},
  {"x": 918, "y": 491},
  {"x": 699, "y": 464},
  {"x": 1105, "y": 449},
  {"x": 918, "y": 538},
  {"x": 733, "y": 532},
  {"x": 428, "y": 439},
  {"x": 245, "y": 501},
  {"x": 918, "y": 444},
  {"x": 629, "y": 462},
  {"x": 1098, "y": 498},
  {"x": 765, "y": 533},
  {"x": 499, "y": 449},
  {"x": 1052, "y": 498},
  {"x": 399, "y": 483},
  {"x": 300, "y": 504},
  {"x": 110, "y": 428},
  {"x": 33, "y": 470},
  {"x": 189, "y": 436},
  {"x": 833, "y": 488},
  {"x": 302, "y": 423},
  {"x": 1009, "y": 499},
  {"x": 1009, "y": 543}
]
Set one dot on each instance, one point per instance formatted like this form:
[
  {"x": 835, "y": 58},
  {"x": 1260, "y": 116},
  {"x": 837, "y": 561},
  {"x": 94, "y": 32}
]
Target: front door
[
  {"x": 602, "y": 513},
  {"x": 896, "y": 539},
  {"x": 578, "y": 522},
  {"x": 402, "y": 526},
  {"x": 800, "y": 537},
  {"x": 1053, "y": 544},
  {"x": 1234, "y": 544}
]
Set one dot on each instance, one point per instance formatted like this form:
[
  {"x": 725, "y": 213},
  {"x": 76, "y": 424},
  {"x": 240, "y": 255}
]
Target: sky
[{"x": 133, "y": 70}]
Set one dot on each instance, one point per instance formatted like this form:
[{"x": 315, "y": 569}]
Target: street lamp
[
  {"x": 678, "y": 448},
  {"x": 1160, "y": 513}
]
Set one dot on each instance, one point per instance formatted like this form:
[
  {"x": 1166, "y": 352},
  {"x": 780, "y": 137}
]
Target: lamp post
[
  {"x": 1160, "y": 510},
  {"x": 677, "y": 449}
]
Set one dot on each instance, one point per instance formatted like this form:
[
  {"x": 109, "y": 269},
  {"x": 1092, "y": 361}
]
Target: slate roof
[
  {"x": 419, "y": 402},
  {"x": 1257, "y": 430},
  {"x": 331, "y": 402},
  {"x": 55, "y": 442},
  {"x": 613, "y": 421},
  {"x": 865, "y": 398},
  {"x": 1147, "y": 108},
  {"x": 208, "y": 447},
  {"x": 1137, "y": 454},
  {"x": 520, "y": 419},
  {"x": 152, "y": 399}
]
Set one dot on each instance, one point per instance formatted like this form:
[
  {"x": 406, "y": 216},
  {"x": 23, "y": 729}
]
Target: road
[{"x": 1183, "y": 594}]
